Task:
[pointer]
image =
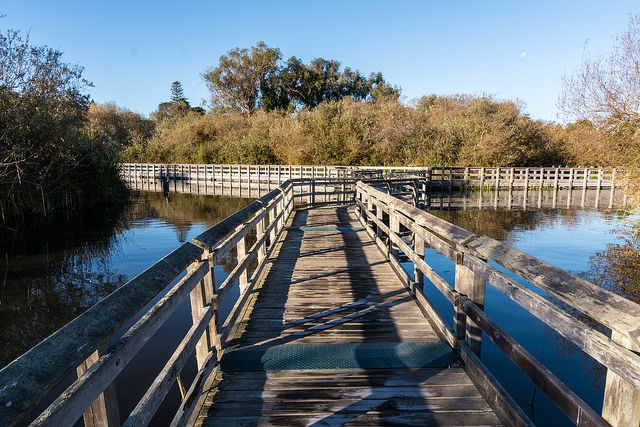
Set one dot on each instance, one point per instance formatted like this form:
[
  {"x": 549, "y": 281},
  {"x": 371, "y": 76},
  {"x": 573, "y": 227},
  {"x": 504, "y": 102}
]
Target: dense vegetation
[{"x": 49, "y": 163}]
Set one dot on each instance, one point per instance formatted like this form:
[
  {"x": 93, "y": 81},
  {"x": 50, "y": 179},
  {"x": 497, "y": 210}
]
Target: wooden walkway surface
[{"x": 332, "y": 337}]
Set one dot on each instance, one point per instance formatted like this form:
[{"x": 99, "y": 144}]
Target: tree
[
  {"x": 177, "y": 94},
  {"x": 235, "y": 83},
  {"x": 249, "y": 79},
  {"x": 45, "y": 158},
  {"x": 323, "y": 81},
  {"x": 117, "y": 126},
  {"x": 606, "y": 90},
  {"x": 177, "y": 106}
]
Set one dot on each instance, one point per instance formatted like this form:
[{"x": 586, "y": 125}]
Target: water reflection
[
  {"x": 617, "y": 266},
  {"x": 50, "y": 276},
  {"x": 524, "y": 199}
]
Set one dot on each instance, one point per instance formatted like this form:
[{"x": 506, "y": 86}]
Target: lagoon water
[{"x": 49, "y": 278}]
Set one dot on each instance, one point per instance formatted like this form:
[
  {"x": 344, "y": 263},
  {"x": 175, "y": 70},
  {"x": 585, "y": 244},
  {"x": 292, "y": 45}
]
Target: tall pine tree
[{"x": 177, "y": 94}]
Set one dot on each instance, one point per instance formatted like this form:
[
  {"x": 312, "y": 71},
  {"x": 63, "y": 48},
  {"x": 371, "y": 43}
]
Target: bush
[{"x": 439, "y": 131}]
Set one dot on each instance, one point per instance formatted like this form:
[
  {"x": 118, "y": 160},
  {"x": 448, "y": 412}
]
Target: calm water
[{"x": 49, "y": 278}]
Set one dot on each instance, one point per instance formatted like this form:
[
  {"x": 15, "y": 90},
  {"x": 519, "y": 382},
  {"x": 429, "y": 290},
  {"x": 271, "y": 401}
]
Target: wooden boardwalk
[
  {"x": 329, "y": 328},
  {"x": 332, "y": 337}
]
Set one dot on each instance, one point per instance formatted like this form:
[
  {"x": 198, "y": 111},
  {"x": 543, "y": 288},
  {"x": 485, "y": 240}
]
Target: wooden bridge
[{"x": 328, "y": 326}]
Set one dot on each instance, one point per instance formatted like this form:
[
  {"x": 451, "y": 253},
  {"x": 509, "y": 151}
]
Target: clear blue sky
[{"x": 133, "y": 50}]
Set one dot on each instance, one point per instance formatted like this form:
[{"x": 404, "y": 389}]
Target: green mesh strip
[
  {"x": 325, "y": 229},
  {"x": 340, "y": 356}
]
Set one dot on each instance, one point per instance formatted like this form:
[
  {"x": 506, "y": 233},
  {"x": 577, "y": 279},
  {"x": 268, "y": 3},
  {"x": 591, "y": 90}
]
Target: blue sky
[{"x": 133, "y": 50}]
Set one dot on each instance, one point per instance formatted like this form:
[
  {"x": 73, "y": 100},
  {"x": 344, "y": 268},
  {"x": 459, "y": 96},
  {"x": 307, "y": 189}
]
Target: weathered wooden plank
[
  {"x": 472, "y": 285},
  {"x": 210, "y": 238},
  {"x": 507, "y": 409},
  {"x": 603, "y": 349},
  {"x": 26, "y": 380},
  {"x": 104, "y": 410},
  {"x": 195, "y": 397},
  {"x": 621, "y": 406},
  {"x": 334, "y": 286}
]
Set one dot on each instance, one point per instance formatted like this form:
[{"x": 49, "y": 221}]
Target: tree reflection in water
[
  {"x": 50, "y": 275},
  {"x": 617, "y": 267}
]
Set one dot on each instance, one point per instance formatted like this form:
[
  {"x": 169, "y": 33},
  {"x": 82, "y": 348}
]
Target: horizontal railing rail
[
  {"x": 388, "y": 219},
  {"x": 227, "y": 174}
]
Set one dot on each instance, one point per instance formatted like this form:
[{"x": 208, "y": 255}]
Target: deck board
[{"x": 328, "y": 285}]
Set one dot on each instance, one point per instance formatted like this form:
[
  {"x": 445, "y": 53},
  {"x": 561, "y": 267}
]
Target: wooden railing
[
  {"x": 83, "y": 347},
  {"x": 388, "y": 220},
  {"x": 497, "y": 177}
]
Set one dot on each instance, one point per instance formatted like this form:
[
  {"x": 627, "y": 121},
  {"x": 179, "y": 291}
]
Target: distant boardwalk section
[{"x": 486, "y": 177}]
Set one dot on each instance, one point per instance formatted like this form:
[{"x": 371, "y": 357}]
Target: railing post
[
  {"x": 599, "y": 178},
  {"x": 200, "y": 297},
  {"x": 472, "y": 285},
  {"x": 260, "y": 227},
  {"x": 418, "y": 248},
  {"x": 272, "y": 217},
  {"x": 394, "y": 228},
  {"x": 612, "y": 187},
  {"x": 621, "y": 406},
  {"x": 368, "y": 220},
  {"x": 241, "y": 249},
  {"x": 280, "y": 209},
  {"x": 571, "y": 174},
  {"x": 104, "y": 410}
]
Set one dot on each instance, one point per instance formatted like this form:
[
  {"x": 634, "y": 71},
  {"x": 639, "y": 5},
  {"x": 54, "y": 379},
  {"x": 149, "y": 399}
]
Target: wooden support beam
[
  {"x": 241, "y": 249},
  {"x": 418, "y": 248},
  {"x": 473, "y": 285},
  {"x": 200, "y": 297},
  {"x": 104, "y": 410},
  {"x": 394, "y": 227},
  {"x": 621, "y": 406}
]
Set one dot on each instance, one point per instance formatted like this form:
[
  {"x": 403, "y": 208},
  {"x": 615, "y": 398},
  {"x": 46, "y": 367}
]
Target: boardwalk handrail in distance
[{"x": 477, "y": 176}]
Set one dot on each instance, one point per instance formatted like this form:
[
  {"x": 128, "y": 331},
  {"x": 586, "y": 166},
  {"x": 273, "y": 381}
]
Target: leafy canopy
[{"x": 247, "y": 80}]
